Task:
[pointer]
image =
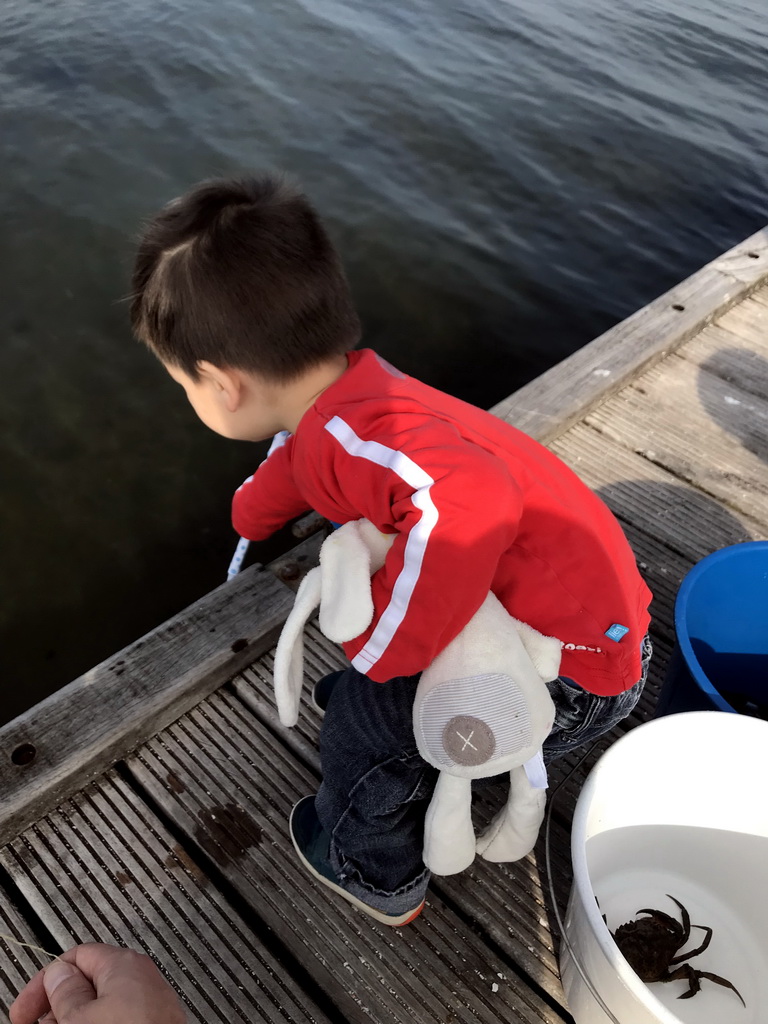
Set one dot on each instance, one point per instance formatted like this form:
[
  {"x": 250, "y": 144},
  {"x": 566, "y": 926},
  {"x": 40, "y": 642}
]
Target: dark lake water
[{"x": 505, "y": 180}]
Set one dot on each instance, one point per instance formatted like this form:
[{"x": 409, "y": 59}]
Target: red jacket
[{"x": 476, "y": 506}]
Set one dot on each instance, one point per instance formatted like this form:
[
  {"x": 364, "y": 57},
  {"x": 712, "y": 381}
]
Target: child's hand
[{"x": 98, "y": 984}]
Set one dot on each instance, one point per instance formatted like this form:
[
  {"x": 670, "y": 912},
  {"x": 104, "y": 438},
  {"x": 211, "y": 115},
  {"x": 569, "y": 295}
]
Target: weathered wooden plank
[
  {"x": 673, "y": 414},
  {"x": 664, "y": 571},
  {"x": 103, "y": 868},
  {"x": 748, "y": 319},
  {"x": 509, "y": 903},
  {"x": 55, "y": 748},
  {"x": 646, "y": 706},
  {"x": 651, "y": 498},
  {"x": 516, "y": 920},
  {"x": 747, "y": 260},
  {"x": 255, "y": 688},
  {"x": 293, "y": 566},
  {"x": 735, "y": 358},
  {"x": 234, "y": 783},
  {"x": 558, "y": 885},
  {"x": 17, "y": 964},
  {"x": 556, "y": 399}
]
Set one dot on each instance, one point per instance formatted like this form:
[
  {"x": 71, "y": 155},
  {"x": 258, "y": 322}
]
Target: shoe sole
[
  {"x": 315, "y": 705},
  {"x": 393, "y": 920}
]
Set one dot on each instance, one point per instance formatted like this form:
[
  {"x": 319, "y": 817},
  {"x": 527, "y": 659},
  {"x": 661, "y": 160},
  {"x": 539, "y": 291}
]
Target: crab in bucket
[{"x": 650, "y": 946}]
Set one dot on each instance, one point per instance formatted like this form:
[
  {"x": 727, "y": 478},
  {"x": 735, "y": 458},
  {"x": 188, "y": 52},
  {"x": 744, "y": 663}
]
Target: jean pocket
[
  {"x": 575, "y": 709},
  {"x": 581, "y": 716}
]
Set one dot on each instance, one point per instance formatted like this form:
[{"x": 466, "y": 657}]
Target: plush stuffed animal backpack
[{"x": 482, "y": 707}]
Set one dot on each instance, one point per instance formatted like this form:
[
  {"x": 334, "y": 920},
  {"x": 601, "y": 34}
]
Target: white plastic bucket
[{"x": 677, "y": 806}]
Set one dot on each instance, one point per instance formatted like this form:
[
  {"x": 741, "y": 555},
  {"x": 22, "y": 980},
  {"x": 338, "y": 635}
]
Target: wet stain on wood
[
  {"x": 175, "y": 783},
  {"x": 122, "y": 879},
  {"x": 227, "y": 833}
]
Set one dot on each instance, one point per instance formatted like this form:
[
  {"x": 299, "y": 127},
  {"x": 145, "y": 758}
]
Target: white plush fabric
[
  {"x": 513, "y": 832},
  {"x": 482, "y": 707},
  {"x": 289, "y": 656},
  {"x": 490, "y": 645},
  {"x": 495, "y": 712},
  {"x": 346, "y": 606},
  {"x": 544, "y": 651},
  {"x": 448, "y": 833}
]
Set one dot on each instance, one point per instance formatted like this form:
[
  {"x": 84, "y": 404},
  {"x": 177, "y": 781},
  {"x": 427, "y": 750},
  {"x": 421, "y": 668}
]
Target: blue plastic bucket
[{"x": 720, "y": 662}]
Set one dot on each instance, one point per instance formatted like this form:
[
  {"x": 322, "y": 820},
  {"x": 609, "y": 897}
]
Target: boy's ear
[{"x": 226, "y": 382}]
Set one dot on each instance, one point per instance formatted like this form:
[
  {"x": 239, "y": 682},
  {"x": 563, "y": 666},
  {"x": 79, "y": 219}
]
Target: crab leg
[
  {"x": 691, "y": 975},
  {"x": 700, "y": 949},
  {"x": 721, "y": 981}
]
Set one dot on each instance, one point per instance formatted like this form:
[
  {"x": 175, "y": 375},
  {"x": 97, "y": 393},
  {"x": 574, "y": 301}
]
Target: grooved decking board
[
  {"x": 510, "y": 903},
  {"x": 735, "y": 348},
  {"x": 490, "y": 894},
  {"x": 652, "y": 499},
  {"x": 562, "y": 872},
  {"x": 255, "y": 688},
  {"x": 663, "y": 569},
  {"x": 80, "y": 731},
  {"x": 748, "y": 319},
  {"x": 699, "y": 427},
  {"x": 233, "y": 784},
  {"x": 646, "y": 706},
  {"x": 732, "y": 358},
  {"x": 102, "y": 868},
  {"x": 17, "y": 964}
]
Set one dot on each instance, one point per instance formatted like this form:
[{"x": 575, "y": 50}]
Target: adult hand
[{"x": 98, "y": 984}]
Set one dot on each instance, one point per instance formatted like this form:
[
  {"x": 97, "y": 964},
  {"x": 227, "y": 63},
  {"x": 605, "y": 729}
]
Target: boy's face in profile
[
  {"x": 201, "y": 396},
  {"x": 229, "y": 404}
]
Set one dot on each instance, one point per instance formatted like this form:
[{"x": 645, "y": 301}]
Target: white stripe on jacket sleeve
[{"x": 416, "y": 545}]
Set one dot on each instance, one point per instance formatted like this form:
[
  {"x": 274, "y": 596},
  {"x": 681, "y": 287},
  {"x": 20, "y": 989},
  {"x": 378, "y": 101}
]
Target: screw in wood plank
[{"x": 24, "y": 754}]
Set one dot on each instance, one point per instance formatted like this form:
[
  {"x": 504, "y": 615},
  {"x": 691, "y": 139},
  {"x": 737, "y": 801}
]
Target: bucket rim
[{"x": 681, "y": 607}]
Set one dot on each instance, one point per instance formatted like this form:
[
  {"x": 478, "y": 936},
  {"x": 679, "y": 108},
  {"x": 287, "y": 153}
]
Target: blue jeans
[{"x": 376, "y": 787}]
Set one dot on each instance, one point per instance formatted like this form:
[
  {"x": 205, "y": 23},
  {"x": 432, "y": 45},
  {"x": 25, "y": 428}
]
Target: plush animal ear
[
  {"x": 288, "y": 672},
  {"x": 346, "y": 606}
]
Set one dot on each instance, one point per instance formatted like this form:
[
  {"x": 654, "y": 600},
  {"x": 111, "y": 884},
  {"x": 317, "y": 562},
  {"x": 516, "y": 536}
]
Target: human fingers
[
  {"x": 33, "y": 1000},
  {"x": 129, "y": 987},
  {"x": 125, "y": 988},
  {"x": 31, "y": 1003},
  {"x": 100, "y": 963},
  {"x": 68, "y": 991}
]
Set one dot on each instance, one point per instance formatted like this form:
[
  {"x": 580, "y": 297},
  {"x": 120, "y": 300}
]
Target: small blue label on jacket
[{"x": 616, "y": 632}]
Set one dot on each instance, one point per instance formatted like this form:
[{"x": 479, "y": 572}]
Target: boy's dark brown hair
[{"x": 242, "y": 273}]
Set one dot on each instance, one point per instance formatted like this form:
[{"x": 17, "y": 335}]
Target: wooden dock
[{"x": 146, "y": 803}]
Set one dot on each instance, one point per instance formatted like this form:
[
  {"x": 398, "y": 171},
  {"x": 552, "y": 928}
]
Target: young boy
[{"x": 240, "y": 294}]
